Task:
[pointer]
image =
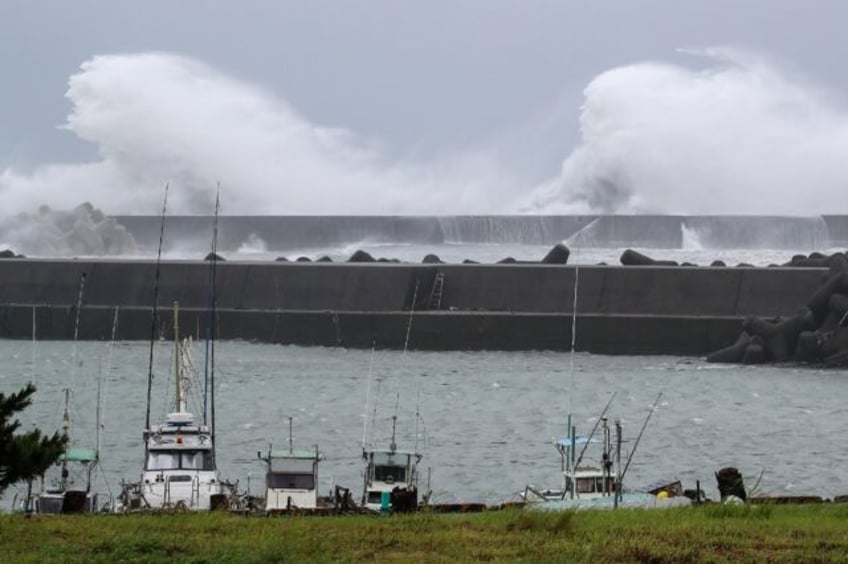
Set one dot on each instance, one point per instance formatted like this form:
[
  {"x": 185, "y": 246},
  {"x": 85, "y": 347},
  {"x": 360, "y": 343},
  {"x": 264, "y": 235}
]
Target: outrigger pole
[{"x": 639, "y": 437}]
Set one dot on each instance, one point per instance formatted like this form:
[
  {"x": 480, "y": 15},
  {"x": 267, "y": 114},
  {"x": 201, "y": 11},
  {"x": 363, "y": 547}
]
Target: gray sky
[{"x": 418, "y": 78}]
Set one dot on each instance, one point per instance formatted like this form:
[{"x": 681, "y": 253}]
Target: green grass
[{"x": 697, "y": 534}]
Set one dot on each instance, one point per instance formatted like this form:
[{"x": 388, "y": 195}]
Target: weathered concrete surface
[{"x": 636, "y": 310}]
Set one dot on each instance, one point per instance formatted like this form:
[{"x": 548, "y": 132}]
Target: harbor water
[{"x": 486, "y": 421}]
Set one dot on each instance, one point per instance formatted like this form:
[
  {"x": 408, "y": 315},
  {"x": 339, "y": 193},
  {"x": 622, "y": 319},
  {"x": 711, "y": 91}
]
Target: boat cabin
[
  {"x": 77, "y": 465},
  {"x": 590, "y": 482},
  {"x": 291, "y": 479},
  {"x": 180, "y": 470},
  {"x": 179, "y": 444},
  {"x": 386, "y": 470}
]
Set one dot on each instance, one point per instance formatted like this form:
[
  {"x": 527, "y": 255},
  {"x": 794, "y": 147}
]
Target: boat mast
[
  {"x": 595, "y": 428},
  {"x": 393, "y": 444},
  {"x": 180, "y": 399}
]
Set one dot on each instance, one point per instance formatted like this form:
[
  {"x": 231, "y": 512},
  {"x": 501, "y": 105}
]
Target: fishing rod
[
  {"x": 570, "y": 454},
  {"x": 639, "y": 437},
  {"x": 209, "y": 361},
  {"x": 154, "y": 316},
  {"x": 594, "y": 428},
  {"x": 80, "y": 294},
  {"x": 409, "y": 324},
  {"x": 34, "y": 378}
]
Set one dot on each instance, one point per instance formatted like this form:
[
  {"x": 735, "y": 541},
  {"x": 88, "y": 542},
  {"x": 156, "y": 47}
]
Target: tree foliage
[{"x": 24, "y": 456}]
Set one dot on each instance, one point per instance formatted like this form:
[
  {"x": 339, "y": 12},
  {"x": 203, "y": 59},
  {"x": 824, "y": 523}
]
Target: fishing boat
[
  {"x": 391, "y": 477},
  {"x": 70, "y": 486},
  {"x": 602, "y": 486},
  {"x": 579, "y": 481},
  {"x": 291, "y": 478},
  {"x": 72, "y": 491},
  {"x": 590, "y": 486},
  {"x": 179, "y": 470}
]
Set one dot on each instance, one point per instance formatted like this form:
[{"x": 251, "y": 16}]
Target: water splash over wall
[{"x": 742, "y": 136}]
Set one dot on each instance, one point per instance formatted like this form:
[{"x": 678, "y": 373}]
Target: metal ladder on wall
[{"x": 435, "y": 301}]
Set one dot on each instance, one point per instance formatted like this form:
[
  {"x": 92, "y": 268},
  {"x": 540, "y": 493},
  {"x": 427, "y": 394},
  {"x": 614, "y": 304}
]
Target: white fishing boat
[
  {"x": 597, "y": 487},
  {"x": 68, "y": 488},
  {"x": 390, "y": 473},
  {"x": 70, "y": 491},
  {"x": 291, "y": 478},
  {"x": 578, "y": 481},
  {"x": 179, "y": 470},
  {"x": 588, "y": 486}
]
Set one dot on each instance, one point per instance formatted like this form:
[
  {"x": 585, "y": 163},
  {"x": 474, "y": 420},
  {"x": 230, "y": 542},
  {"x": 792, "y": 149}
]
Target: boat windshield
[
  {"x": 290, "y": 481},
  {"x": 180, "y": 460},
  {"x": 390, "y": 473},
  {"x": 592, "y": 484}
]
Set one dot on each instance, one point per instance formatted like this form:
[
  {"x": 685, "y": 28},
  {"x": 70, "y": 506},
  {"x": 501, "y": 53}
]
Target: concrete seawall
[
  {"x": 284, "y": 233},
  {"x": 628, "y": 310}
]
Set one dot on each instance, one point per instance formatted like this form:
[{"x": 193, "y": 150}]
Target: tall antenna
[
  {"x": 98, "y": 412},
  {"x": 595, "y": 428},
  {"x": 417, "y": 418},
  {"x": 291, "y": 436},
  {"x": 154, "y": 315},
  {"x": 367, "y": 396},
  {"x": 376, "y": 399},
  {"x": 66, "y": 434},
  {"x": 573, "y": 342},
  {"x": 108, "y": 369}
]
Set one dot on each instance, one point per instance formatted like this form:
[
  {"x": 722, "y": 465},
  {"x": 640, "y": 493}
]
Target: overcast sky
[{"x": 418, "y": 79}]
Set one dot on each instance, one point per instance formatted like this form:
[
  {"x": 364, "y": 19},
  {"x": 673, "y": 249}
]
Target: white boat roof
[
  {"x": 296, "y": 453},
  {"x": 579, "y": 441},
  {"x": 180, "y": 418},
  {"x": 390, "y": 451}
]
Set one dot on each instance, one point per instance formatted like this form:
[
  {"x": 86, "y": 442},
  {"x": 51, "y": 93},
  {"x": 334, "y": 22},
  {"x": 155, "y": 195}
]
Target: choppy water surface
[{"x": 488, "y": 419}]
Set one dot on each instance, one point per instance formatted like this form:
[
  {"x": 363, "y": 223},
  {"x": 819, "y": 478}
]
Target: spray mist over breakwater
[
  {"x": 159, "y": 118},
  {"x": 738, "y": 137}
]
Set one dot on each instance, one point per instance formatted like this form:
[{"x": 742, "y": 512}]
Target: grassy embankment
[{"x": 762, "y": 533}]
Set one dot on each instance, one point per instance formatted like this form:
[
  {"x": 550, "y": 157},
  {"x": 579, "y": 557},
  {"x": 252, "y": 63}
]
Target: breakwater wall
[
  {"x": 284, "y": 233},
  {"x": 620, "y": 309}
]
